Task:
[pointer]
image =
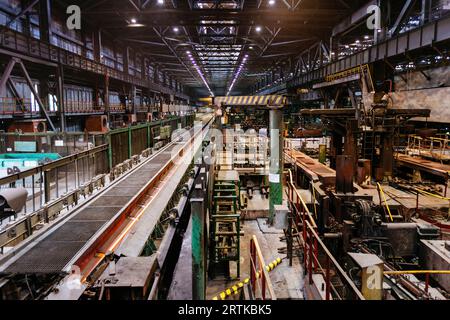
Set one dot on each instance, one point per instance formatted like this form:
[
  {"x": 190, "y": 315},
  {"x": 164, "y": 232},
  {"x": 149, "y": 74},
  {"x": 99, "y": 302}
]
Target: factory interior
[{"x": 224, "y": 150}]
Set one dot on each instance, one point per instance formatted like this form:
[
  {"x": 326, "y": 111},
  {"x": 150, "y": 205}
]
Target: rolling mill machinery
[{"x": 357, "y": 219}]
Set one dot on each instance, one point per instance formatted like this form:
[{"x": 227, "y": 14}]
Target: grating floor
[{"x": 55, "y": 251}]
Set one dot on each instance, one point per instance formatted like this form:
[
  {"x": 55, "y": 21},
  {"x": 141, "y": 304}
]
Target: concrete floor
[{"x": 287, "y": 281}]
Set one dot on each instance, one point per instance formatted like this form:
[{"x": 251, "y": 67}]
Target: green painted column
[
  {"x": 276, "y": 161},
  {"x": 149, "y": 138},
  {"x": 198, "y": 240},
  {"x": 322, "y": 153},
  {"x": 130, "y": 143},
  {"x": 110, "y": 152}
]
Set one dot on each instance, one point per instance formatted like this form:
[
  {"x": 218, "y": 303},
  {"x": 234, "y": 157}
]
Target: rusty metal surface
[
  {"x": 56, "y": 250},
  {"x": 421, "y": 164},
  {"x": 344, "y": 174},
  {"x": 312, "y": 168}
]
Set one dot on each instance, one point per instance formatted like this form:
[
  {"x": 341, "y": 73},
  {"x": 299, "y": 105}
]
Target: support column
[
  {"x": 133, "y": 99},
  {"x": 198, "y": 239},
  {"x": 60, "y": 91},
  {"x": 45, "y": 20},
  {"x": 126, "y": 60},
  {"x": 26, "y": 21},
  {"x": 276, "y": 161},
  {"x": 106, "y": 99},
  {"x": 425, "y": 11},
  {"x": 336, "y": 148},
  {"x": 387, "y": 155},
  {"x": 97, "y": 44},
  {"x": 350, "y": 144}
]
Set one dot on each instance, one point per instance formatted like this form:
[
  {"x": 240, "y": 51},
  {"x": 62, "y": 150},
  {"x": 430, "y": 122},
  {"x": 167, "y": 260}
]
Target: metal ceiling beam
[
  {"x": 174, "y": 52},
  {"x": 135, "y": 5},
  {"x": 268, "y": 14},
  {"x": 401, "y": 17}
]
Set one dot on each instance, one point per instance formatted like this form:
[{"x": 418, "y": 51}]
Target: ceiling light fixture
[
  {"x": 200, "y": 73},
  {"x": 160, "y": 1},
  {"x": 133, "y": 23},
  {"x": 238, "y": 72},
  {"x": 271, "y": 2},
  {"x": 258, "y": 29},
  {"x": 175, "y": 29}
]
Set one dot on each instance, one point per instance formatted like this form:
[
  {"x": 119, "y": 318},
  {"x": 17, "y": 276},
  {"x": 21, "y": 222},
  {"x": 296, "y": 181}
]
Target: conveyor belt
[{"x": 55, "y": 251}]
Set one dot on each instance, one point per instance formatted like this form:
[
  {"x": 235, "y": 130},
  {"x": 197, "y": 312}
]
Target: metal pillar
[
  {"x": 45, "y": 22},
  {"x": 133, "y": 99},
  {"x": 106, "y": 99},
  {"x": 387, "y": 156},
  {"x": 97, "y": 41},
  {"x": 322, "y": 153},
  {"x": 336, "y": 148},
  {"x": 276, "y": 161},
  {"x": 198, "y": 239},
  {"x": 61, "y": 102},
  {"x": 350, "y": 144}
]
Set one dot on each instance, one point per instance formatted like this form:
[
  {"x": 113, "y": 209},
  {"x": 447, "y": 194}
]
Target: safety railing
[
  {"x": 117, "y": 107},
  {"x": 433, "y": 147},
  {"x": 15, "y": 106},
  {"x": 48, "y": 182},
  {"x": 76, "y": 106},
  {"x": 427, "y": 274},
  {"x": 63, "y": 143},
  {"x": 13, "y": 40},
  {"x": 317, "y": 258},
  {"x": 261, "y": 285}
]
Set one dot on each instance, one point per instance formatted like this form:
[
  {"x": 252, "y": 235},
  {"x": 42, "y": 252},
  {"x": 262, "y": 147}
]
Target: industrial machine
[{"x": 12, "y": 201}]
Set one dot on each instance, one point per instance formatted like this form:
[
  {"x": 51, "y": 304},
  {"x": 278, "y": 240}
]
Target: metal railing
[
  {"x": 50, "y": 181},
  {"x": 63, "y": 143},
  {"x": 427, "y": 274},
  {"x": 261, "y": 285},
  {"x": 432, "y": 147},
  {"x": 317, "y": 258},
  {"x": 77, "y": 106},
  {"x": 34, "y": 48}
]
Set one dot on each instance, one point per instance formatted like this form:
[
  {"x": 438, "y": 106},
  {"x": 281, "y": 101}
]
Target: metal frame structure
[{"x": 395, "y": 42}]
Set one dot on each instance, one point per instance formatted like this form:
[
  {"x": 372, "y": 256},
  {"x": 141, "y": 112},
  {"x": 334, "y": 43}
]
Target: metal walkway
[{"x": 57, "y": 249}]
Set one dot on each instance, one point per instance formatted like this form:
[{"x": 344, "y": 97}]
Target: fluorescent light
[{"x": 136, "y": 25}]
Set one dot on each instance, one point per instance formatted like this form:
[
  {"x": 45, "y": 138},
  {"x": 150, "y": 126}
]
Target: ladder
[
  {"x": 368, "y": 149},
  {"x": 225, "y": 226}
]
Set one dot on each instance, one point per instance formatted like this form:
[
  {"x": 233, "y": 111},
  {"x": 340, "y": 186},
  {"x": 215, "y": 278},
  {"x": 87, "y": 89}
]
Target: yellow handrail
[
  {"x": 431, "y": 194},
  {"x": 385, "y": 202},
  {"x": 400, "y": 272}
]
